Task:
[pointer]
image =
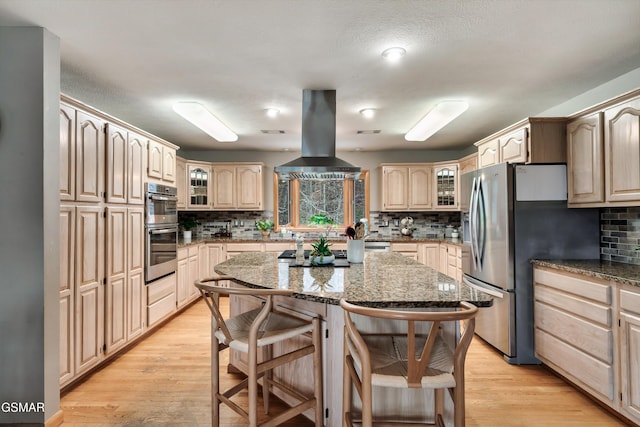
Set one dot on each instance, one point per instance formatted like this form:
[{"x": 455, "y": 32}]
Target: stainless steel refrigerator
[{"x": 511, "y": 214}]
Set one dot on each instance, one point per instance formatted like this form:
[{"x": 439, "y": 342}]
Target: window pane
[
  {"x": 358, "y": 200},
  {"x": 322, "y": 197},
  {"x": 283, "y": 202}
]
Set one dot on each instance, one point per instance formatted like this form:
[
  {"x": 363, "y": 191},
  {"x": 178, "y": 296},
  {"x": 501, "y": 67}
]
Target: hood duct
[{"x": 318, "y": 159}]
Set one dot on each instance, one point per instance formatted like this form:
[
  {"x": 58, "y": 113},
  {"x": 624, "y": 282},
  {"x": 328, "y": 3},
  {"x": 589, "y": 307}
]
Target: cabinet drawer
[
  {"x": 161, "y": 309},
  {"x": 593, "y": 289},
  {"x": 598, "y": 313},
  {"x": 161, "y": 288},
  {"x": 590, "y": 338},
  {"x": 579, "y": 366},
  {"x": 278, "y": 246},
  {"x": 244, "y": 247},
  {"x": 183, "y": 253},
  {"x": 404, "y": 247},
  {"x": 630, "y": 301}
]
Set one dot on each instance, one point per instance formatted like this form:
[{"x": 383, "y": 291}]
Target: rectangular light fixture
[
  {"x": 436, "y": 119},
  {"x": 198, "y": 115}
]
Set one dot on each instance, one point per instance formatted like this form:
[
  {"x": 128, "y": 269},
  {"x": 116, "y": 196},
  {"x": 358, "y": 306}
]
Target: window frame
[{"x": 294, "y": 200}]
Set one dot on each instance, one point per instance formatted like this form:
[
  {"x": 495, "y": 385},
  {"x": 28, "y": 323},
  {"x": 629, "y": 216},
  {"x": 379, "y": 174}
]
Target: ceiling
[{"x": 509, "y": 58}]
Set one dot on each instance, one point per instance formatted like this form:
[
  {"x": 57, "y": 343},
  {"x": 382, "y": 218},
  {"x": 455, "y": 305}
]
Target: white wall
[{"x": 29, "y": 214}]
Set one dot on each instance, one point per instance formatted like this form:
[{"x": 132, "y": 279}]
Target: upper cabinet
[
  {"x": 533, "y": 140},
  {"x": 468, "y": 163},
  {"x": 585, "y": 160},
  {"x": 181, "y": 183},
  {"x": 198, "y": 186},
  {"x": 161, "y": 165},
  {"x": 603, "y": 150},
  {"x": 420, "y": 186},
  {"x": 89, "y": 162}
]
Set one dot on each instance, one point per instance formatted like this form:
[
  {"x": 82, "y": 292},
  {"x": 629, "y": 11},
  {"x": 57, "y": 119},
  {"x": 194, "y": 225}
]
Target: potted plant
[
  {"x": 321, "y": 219},
  {"x": 187, "y": 224},
  {"x": 265, "y": 227},
  {"x": 321, "y": 254}
]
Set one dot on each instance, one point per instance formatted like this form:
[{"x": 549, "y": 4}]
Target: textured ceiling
[{"x": 509, "y": 58}]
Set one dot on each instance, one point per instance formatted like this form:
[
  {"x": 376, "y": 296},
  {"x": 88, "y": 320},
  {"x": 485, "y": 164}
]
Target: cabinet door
[
  {"x": 622, "y": 152},
  {"x": 630, "y": 352},
  {"x": 488, "y": 154},
  {"x": 194, "y": 273},
  {"x": 420, "y": 188},
  {"x": 199, "y": 186},
  {"x": 514, "y": 147},
  {"x": 67, "y": 297},
  {"x": 249, "y": 187},
  {"x": 89, "y": 158},
  {"x": 224, "y": 187},
  {"x": 89, "y": 292},
  {"x": 116, "y": 308},
  {"x": 182, "y": 277},
  {"x": 216, "y": 254},
  {"x": 203, "y": 267},
  {"x": 154, "y": 159},
  {"x": 181, "y": 183},
  {"x": 137, "y": 158},
  {"x": 117, "y": 147},
  {"x": 430, "y": 255},
  {"x": 168, "y": 164},
  {"x": 67, "y": 152},
  {"x": 585, "y": 161},
  {"x": 468, "y": 164},
  {"x": 136, "y": 287},
  {"x": 446, "y": 187},
  {"x": 443, "y": 259},
  {"x": 395, "y": 183}
]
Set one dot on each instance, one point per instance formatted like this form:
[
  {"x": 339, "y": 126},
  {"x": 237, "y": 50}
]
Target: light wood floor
[{"x": 164, "y": 380}]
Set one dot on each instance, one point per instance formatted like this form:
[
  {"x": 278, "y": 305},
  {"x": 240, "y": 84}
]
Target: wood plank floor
[{"x": 164, "y": 380}]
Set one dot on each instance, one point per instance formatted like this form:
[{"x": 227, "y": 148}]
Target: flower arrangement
[
  {"x": 320, "y": 251},
  {"x": 265, "y": 225}
]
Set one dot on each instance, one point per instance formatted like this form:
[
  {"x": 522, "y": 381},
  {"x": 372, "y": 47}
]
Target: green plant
[
  {"x": 188, "y": 223},
  {"x": 265, "y": 225},
  {"x": 321, "y": 219},
  {"x": 321, "y": 248}
]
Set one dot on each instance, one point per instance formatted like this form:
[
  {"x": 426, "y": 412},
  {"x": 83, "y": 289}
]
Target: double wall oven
[{"x": 161, "y": 229}]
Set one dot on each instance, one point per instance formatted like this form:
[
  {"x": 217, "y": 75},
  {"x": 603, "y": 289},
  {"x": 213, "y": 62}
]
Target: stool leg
[
  {"x": 268, "y": 375},
  {"x": 215, "y": 380},
  {"x": 253, "y": 386},
  {"x": 317, "y": 374}
]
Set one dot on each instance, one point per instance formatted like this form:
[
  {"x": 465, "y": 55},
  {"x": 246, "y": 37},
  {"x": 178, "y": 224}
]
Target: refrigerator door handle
[
  {"x": 472, "y": 223},
  {"x": 479, "y": 288},
  {"x": 481, "y": 232}
]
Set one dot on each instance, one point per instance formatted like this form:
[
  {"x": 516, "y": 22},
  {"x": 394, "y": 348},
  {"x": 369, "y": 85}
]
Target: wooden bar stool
[
  {"x": 407, "y": 360},
  {"x": 260, "y": 329}
]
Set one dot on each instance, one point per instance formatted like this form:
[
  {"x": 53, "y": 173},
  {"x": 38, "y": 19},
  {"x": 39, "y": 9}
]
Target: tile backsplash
[{"x": 620, "y": 234}]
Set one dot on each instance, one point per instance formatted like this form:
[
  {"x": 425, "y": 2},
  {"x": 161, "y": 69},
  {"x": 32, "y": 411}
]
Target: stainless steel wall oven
[{"x": 161, "y": 229}]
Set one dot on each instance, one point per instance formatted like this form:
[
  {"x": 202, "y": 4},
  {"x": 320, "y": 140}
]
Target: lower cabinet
[
  {"x": 407, "y": 249},
  {"x": 630, "y": 352},
  {"x": 161, "y": 299},
  {"x": 588, "y": 330},
  {"x": 187, "y": 273},
  {"x": 431, "y": 255}
]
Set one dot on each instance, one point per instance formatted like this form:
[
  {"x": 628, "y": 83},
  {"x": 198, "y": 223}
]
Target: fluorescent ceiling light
[
  {"x": 436, "y": 119},
  {"x": 393, "y": 54},
  {"x": 197, "y": 114}
]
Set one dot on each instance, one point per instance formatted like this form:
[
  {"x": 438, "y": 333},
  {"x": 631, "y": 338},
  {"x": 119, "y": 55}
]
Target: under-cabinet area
[{"x": 587, "y": 329}]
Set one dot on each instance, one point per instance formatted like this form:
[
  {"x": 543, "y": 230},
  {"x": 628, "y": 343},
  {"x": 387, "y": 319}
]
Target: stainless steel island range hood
[{"x": 318, "y": 159}]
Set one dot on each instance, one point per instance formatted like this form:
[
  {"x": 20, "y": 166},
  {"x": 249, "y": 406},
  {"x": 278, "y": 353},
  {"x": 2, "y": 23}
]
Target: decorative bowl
[{"x": 326, "y": 259}]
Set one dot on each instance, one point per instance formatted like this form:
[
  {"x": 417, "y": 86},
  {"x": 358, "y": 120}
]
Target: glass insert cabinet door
[
  {"x": 446, "y": 186},
  {"x": 199, "y": 186}
]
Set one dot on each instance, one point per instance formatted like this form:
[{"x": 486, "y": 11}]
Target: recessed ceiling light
[
  {"x": 368, "y": 112},
  {"x": 393, "y": 54},
  {"x": 272, "y": 112},
  {"x": 440, "y": 116},
  {"x": 199, "y": 116}
]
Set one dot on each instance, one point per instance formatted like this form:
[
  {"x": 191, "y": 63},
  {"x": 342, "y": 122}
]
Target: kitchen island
[{"x": 383, "y": 280}]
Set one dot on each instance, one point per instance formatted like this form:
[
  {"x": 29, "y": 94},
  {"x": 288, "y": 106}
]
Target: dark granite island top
[
  {"x": 383, "y": 280},
  {"x": 627, "y": 274}
]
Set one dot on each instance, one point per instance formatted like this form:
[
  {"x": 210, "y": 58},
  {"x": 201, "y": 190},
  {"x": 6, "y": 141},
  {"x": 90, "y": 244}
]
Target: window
[{"x": 301, "y": 202}]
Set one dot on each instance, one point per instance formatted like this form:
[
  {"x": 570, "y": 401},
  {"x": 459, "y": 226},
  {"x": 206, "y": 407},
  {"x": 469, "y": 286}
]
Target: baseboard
[{"x": 56, "y": 420}]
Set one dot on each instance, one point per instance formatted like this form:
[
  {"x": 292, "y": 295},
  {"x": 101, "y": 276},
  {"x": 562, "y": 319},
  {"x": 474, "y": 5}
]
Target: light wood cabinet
[
  {"x": 532, "y": 140},
  {"x": 450, "y": 260},
  {"x": 161, "y": 162},
  {"x": 67, "y": 152},
  {"x": 136, "y": 165},
  {"x": 622, "y": 152},
  {"x": 136, "y": 319},
  {"x": 116, "y": 276},
  {"x": 188, "y": 272},
  {"x": 90, "y": 155},
  {"x": 181, "y": 183},
  {"x": 407, "y": 249},
  {"x": 468, "y": 163},
  {"x": 585, "y": 160},
  {"x": 445, "y": 183},
  {"x": 67, "y": 292},
  {"x": 431, "y": 255},
  {"x": 237, "y": 187},
  {"x": 573, "y": 319},
  {"x": 117, "y": 148},
  {"x": 407, "y": 187},
  {"x": 161, "y": 299},
  {"x": 199, "y": 181},
  {"x": 89, "y": 293},
  {"x": 216, "y": 253},
  {"x": 630, "y": 352}
]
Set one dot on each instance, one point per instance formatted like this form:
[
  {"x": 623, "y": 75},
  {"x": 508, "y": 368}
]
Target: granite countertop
[
  {"x": 383, "y": 280},
  {"x": 199, "y": 240},
  {"x": 628, "y": 274}
]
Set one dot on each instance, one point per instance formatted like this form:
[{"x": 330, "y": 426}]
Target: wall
[
  {"x": 620, "y": 234},
  {"x": 29, "y": 212}
]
